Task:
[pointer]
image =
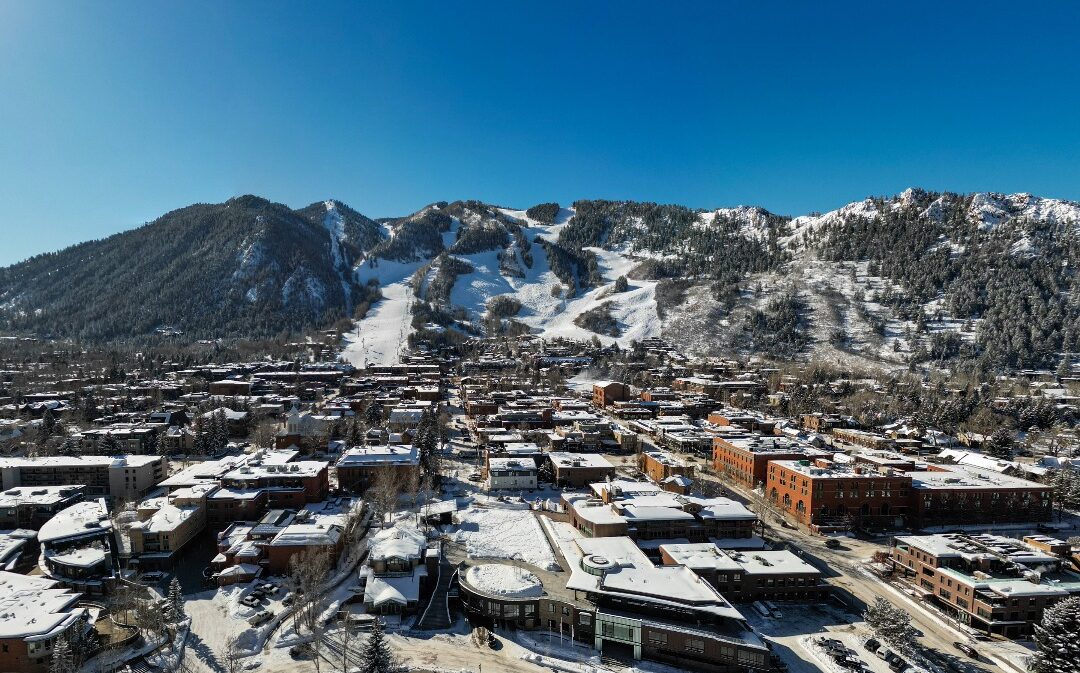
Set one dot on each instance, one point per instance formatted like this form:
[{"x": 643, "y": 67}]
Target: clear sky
[{"x": 111, "y": 114}]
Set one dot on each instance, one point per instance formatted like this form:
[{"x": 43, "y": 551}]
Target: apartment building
[
  {"x": 994, "y": 584},
  {"x": 579, "y": 469},
  {"x": 125, "y": 477},
  {"x": 30, "y": 507},
  {"x": 358, "y": 466},
  {"x": 511, "y": 474},
  {"x": 644, "y": 512},
  {"x": 166, "y": 524},
  {"x": 748, "y": 575},
  {"x": 826, "y": 495},
  {"x": 744, "y": 458},
  {"x": 37, "y": 612}
]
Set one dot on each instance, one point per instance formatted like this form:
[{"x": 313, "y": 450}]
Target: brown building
[
  {"x": 824, "y": 495},
  {"x": 741, "y": 419},
  {"x": 652, "y": 514},
  {"x": 358, "y": 467},
  {"x": 748, "y": 575},
  {"x": 37, "y": 612},
  {"x": 957, "y": 495},
  {"x": 985, "y": 581},
  {"x": 606, "y": 393},
  {"x": 660, "y": 465},
  {"x": 578, "y": 469},
  {"x": 745, "y": 458}
]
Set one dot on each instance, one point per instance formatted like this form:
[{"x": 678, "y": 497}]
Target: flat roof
[
  {"x": 38, "y": 495},
  {"x": 34, "y": 607},
  {"x": 959, "y": 477},
  {"x": 565, "y": 459}
]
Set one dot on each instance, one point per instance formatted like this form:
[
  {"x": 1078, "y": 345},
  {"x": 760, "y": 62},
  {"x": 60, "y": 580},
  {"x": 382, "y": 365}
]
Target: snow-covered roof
[
  {"x": 504, "y": 580},
  {"x": 399, "y": 541},
  {"x": 388, "y": 454},
  {"x": 37, "y": 495},
  {"x": 83, "y": 519},
  {"x": 307, "y": 535},
  {"x": 34, "y": 607},
  {"x": 168, "y": 518}
]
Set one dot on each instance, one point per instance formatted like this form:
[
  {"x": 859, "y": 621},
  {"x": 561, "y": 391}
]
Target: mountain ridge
[{"x": 721, "y": 280}]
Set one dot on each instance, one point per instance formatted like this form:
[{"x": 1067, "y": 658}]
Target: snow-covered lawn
[{"x": 498, "y": 533}]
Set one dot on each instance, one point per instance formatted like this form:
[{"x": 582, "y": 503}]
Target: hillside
[
  {"x": 981, "y": 279},
  {"x": 921, "y": 277},
  {"x": 247, "y": 267}
]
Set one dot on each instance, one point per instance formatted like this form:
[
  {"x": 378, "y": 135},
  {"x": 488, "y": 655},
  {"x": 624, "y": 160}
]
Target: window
[
  {"x": 695, "y": 645},
  {"x": 657, "y": 639}
]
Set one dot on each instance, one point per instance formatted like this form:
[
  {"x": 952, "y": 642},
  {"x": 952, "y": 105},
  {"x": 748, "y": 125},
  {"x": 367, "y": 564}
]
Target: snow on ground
[
  {"x": 216, "y": 617},
  {"x": 499, "y": 533},
  {"x": 550, "y": 315},
  {"x": 379, "y": 338}
]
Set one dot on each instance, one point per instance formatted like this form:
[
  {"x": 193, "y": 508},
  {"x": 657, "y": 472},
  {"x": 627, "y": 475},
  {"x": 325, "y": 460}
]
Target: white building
[{"x": 511, "y": 474}]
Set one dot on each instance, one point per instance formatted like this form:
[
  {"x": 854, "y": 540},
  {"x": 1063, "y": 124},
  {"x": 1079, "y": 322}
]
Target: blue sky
[{"x": 111, "y": 114}]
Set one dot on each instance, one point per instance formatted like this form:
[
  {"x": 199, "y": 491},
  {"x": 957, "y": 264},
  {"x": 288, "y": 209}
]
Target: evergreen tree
[
  {"x": 426, "y": 441},
  {"x": 176, "y": 599},
  {"x": 110, "y": 446},
  {"x": 223, "y": 430},
  {"x": 62, "y": 659},
  {"x": 1055, "y": 638},
  {"x": 373, "y": 415},
  {"x": 355, "y": 435},
  {"x": 376, "y": 655},
  {"x": 1000, "y": 444},
  {"x": 160, "y": 445}
]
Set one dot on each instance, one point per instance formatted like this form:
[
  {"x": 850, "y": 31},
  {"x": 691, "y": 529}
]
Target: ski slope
[{"x": 380, "y": 338}]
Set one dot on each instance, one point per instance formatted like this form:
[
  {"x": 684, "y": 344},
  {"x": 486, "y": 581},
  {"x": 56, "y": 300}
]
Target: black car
[
  {"x": 872, "y": 644},
  {"x": 967, "y": 649}
]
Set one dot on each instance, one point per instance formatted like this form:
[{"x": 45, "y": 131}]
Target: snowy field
[{"x": 497, "y": 533}]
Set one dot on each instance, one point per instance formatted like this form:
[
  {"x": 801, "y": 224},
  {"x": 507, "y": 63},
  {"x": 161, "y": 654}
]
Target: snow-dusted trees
[
  {"x": 377, "y": 655},
  {"x": 1000, "y": 444},
  {"x": 891, "y": 624},
  {"x": 176, "y": 600},
  {"x": 1055, "y": 638},
  {"x": 62, "y": 659}
]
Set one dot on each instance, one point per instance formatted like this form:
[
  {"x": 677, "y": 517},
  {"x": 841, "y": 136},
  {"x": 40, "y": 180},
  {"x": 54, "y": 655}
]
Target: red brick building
[
  {"x": 606, "y": 393},
  {"x": 745, "y": 458}
]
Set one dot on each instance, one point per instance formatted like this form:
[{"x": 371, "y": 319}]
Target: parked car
[
  {"x": 832, "y": 543},
  {"x": 872, "y": 644},
  {"x": 152, "y": 577},
  {"x": 967, "y": 649},
  {"x": 260, "y": 617}
]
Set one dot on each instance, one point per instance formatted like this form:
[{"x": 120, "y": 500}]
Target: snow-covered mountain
[{"x": 920, "y": 276}]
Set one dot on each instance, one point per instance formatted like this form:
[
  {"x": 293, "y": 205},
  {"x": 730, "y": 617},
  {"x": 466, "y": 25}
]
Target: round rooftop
[{"x": 503, "y": 580}]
